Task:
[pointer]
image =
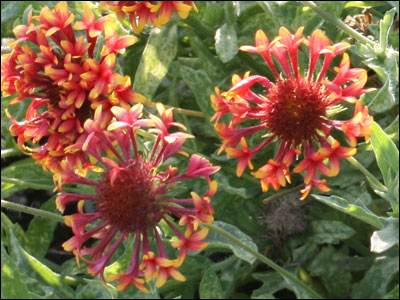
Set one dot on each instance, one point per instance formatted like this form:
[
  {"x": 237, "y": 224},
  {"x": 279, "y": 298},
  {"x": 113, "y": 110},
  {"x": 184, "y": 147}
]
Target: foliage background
[{"x": 343, "y": 244}]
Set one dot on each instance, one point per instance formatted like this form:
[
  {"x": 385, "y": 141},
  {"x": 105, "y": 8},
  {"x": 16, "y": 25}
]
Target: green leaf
[
  {"x": 210, "y": 63},
  {"x": 218, "y": 240},
  {"x": 157, "y": 56},
  {"x": 393, "y": 294},
  {"x": 272, "y": 283},
  {"x": 264, "y": 296},
  {"x": 225, "y": 184},
  {"x": 24, "y": 174},
  {"x": 376, "y": 280},
  {"x": 39, "y": 274},
  {"x": 357, "y": 210},
  {"x": 201, "y": 86},
  {"x": 95, "y": 289},
  {"x": 387, "y": 156},
  {"x": 384, "y": 239},
  {"x": 382, "y": 101},
  {"x": 122, "y": 262},
  {"x": 213, "y": 14},
  {"x": 395, "y": 4},
  {"x": 12, "y": 284},
  {"x": 364, "y": 4},
  {"x": 40, "y": 231},
  {"x": 226, "y": 44},
  {"x": 384, "y": 26},
  {"x": 11, "y": 10},
  {"x": 331, "y": 232},
  {"x": 333, "y": 266},
  {"x": 210, "y": 286}
]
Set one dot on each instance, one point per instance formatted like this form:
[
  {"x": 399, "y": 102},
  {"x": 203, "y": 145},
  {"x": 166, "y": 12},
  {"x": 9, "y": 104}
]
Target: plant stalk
[
  {"x": 266, "y": 260},
  {"x": 32, "y": 211}
]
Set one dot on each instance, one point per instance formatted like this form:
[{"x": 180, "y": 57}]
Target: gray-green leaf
[
  {"x": 216, "y": 239},
  {"x": 226, "y": 44}
]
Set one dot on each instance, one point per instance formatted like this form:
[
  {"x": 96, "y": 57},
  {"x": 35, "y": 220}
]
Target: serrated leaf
[
  {"x": 331, "y": 232},
  {"x": 272, "y": 283},
  {"x": 160, "y": 51},
  {"x": 12, "y": 284},
  {"x": 40, "y": 231},
  {"x": 386, "y": 238},
  {"x": 226, "y": 44},
  {"x": 216, "y": 239},
  {"x": 357, "y": 210},
  {"x": 376, "y": 280},
  {"x": 387, "y": 157},
  {"x": 210, "y": 286}
]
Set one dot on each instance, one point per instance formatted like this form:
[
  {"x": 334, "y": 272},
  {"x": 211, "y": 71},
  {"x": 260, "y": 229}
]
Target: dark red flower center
[
  {"x": 129, "y": 202},
  {"x": 296, "y": 110}
]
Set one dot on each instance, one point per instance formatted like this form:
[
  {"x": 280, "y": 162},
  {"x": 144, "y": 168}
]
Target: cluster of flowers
[
  {"x": 82, "y": 125},
  {"x": 141, "y": 13},
  {"x": 53, "y": 64},
  {"x": 294, "y": 110}
]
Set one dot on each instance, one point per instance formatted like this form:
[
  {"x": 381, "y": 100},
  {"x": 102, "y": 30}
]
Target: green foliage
[{"x": 349, "y": 246}]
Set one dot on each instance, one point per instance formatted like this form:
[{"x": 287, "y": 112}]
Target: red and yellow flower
[
  {"x": 294, "y": 109},
  {"x": 53, "y": 64},
  {"x": 142, "y": 13},
  {"x": 134, "y": 192}
]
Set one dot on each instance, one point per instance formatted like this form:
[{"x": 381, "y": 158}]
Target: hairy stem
[
  {"x": 289, "y": 276},
  {"x": 32, "y": 211}
]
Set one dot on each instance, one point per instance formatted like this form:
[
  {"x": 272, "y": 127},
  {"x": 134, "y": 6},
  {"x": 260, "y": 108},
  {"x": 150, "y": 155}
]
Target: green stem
[
  {"x": 283, "y": 193},
  {"x": 266, "y": 260},
  {"x": 339, "y": 23},
  {"x": 32, "y": 211},
  {"x": 200, "y": 27},
  {"x": 367, "y": 173},
  {"x": 23, "y": 183},
  {"x": 9, "y": 152},
  {"x": 178, "y": 110}
]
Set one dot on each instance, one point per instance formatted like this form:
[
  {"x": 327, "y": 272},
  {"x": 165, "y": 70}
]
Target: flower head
[
  {"x": 56, "y": 66},
  {"x": 133, "y": 193},
  {"x": 294, "y": 109},
  {"x": 148, "y": 12}
]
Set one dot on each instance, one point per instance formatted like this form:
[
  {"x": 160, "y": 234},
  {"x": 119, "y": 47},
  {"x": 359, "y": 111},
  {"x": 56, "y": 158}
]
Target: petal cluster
[
  {"x": 142, "y": 13},
  {"x": 294, "y": 110},
  {"x": 134, "y": 194},
  {"x": 54, "y": 63}
]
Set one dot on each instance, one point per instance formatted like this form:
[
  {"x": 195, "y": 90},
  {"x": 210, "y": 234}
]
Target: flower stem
[
  {"x": 32, "y": 211},
  {"x": 368, "y": 174},
  {"x": 32, "y": 185},
  {"x": 9, "y": 152},
  {"x": 289, "y": 276},
  {"x": 178, "y": 110},
  {"x": 199, "y": 26},
  {"x": 283, "y": 193},
  {"x": 339, "y": 23}
]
